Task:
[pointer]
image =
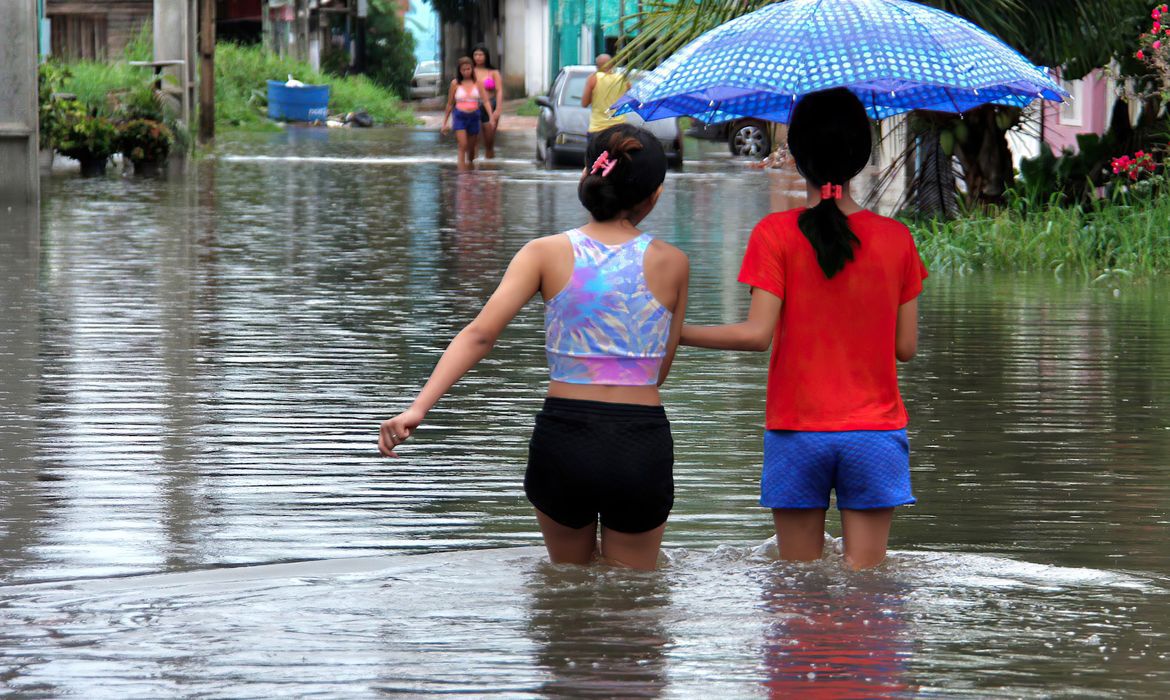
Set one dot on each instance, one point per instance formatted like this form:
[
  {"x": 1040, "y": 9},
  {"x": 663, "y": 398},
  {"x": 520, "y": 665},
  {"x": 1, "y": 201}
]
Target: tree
[
  {"x": 389, "y": 49},
  {"x": 1075, "y": 35}
]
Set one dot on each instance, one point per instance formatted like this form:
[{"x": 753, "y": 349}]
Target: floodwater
[{"x": 191, "y": 502}]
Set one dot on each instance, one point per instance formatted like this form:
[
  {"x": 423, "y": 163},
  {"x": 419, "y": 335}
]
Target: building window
[
  {"x": 1072, "y": 111},
  {"x": 79, "y": 37}
]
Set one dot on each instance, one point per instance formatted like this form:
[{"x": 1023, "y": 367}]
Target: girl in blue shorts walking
[
  {"x": 834, "y": 293},
  {"x": 465, "y": 99}
]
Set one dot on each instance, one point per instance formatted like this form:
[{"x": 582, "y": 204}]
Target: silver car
[
  {"x": 563, "y": 125},
  {"x": 426, "y": 79}
]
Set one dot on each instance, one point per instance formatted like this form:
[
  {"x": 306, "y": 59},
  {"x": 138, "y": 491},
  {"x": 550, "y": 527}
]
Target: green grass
[
  {"x": 1106, "y": 239},
  {"x": 241, "y": 87},
  {"x": 93, "y": 82},
  {"x": 529, "y": 108}
]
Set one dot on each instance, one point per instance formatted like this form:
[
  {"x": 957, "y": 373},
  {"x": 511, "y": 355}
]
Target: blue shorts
[
  {"x": 466, "y": 121},
  {"x": 868, "y": 468}
]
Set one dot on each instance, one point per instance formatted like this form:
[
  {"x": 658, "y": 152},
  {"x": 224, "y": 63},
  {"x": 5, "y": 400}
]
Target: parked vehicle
[
  {"x": 749, "y": 138},
  {"x": 563, "y": 125},
  {"x": 427, "y": 80}
]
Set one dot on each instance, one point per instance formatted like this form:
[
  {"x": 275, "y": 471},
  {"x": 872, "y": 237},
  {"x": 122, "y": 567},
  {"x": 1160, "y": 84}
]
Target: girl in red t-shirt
[{"x": 834, "y": 293}]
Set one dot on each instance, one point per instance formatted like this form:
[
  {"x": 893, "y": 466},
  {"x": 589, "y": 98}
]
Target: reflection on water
[
  {"x": 193, "y": 371},
  {"x": 834, "y": 639},
  {"x": 599, "y": 632}
]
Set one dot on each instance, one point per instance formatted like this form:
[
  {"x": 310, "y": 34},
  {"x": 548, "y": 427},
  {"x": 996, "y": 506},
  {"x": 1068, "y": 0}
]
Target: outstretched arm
[
  {"x": 753, "y": 334},
  {"x": 521, "y": 282}
]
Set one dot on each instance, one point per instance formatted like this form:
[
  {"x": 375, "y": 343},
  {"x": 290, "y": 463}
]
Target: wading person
[
  {"x": 602, "y": 89},
  {"x": 464, "y": 102},
  {"x": 834, "y": 292},
  {"x": 494, "y": 95},
  {"x": 601, "y": 451}
]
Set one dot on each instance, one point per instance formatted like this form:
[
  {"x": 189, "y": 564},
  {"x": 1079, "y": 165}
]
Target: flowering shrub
[
  {"x": 1136, "y": 166},
  {"x": 1155, "y": 48}
]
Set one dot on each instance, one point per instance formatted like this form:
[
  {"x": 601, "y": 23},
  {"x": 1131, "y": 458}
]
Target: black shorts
[
  {"x": 591, "y": 458},
  {"x": 483, "y": 117}
]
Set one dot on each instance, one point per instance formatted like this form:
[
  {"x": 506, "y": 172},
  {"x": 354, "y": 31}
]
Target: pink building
[{"x": 1088, "y": 111}]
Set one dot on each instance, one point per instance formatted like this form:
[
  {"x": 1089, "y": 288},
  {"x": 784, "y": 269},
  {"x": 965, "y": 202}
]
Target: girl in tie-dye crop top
[
  {"x": 605, "y": 327},
  {"x": 601, "y": 451}
]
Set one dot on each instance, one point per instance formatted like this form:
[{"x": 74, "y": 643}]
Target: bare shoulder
[
  {"x": 667, "y": 258},
  {"x": 546, "y": 245}
]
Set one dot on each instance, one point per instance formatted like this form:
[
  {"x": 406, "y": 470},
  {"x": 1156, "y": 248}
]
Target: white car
[{"x": 426, "y": 80}]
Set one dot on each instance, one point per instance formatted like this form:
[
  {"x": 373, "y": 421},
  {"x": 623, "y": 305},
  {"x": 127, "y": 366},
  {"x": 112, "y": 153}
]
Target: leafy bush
[
  {"x": 85, "y": 136},
  {"x": 145, "y": 140}
]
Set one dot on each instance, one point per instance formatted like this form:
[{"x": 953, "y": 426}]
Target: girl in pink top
[
  {"x": 464, "y": 102},
  {"x": 494, "y": 96}
]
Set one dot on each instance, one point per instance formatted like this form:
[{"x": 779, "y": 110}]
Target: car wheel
[
  {"x": 750, "y": 138},
  {"x": 550, "y": 157}
]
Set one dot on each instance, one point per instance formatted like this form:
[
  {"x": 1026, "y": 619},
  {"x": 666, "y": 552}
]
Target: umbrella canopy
[{"x": 895, "y": 55}]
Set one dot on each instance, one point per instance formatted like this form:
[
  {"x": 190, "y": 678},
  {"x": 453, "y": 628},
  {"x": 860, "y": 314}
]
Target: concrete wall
[
  {"x": 526, "y": 59},
  {"x": 19, "y": 169},
  {"x": 175, "y": 22}
]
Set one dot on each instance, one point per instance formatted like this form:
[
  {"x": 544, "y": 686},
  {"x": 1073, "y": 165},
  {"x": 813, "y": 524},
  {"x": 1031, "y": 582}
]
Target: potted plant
[
  {"x": 146, "y": 143},
  {"x": 87, "y": 137}
]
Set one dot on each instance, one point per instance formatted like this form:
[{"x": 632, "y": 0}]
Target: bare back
[{"x": 666, "y": 271}]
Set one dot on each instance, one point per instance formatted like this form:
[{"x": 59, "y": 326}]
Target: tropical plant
[
  {"x": 1076, "y": 35},
  {"x": 89, "y": 138}
]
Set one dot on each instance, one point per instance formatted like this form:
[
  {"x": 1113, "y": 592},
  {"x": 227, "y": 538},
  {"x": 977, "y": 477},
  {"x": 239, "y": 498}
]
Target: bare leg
[
  {"x": 638, "y": 551},
  {"x": 489, "y": 140},
  {"x": 472, "y": 144},
  {"x": 801, "y": 533},
  {"x": 461, "y": 139},
  {"x": 866, "y": 534},
  {"x": 567, "y": 545}
]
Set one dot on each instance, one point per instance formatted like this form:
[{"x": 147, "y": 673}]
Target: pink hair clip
[
  {"x": 603, "y": 163},
  {"x": 832, "y": 192}
]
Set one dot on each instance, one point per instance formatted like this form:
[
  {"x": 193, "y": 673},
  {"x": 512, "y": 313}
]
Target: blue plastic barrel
[{"x": 299, "y": 104}]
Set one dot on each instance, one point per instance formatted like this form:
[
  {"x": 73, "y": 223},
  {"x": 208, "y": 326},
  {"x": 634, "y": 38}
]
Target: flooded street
[{"x": 192, "y": 373}]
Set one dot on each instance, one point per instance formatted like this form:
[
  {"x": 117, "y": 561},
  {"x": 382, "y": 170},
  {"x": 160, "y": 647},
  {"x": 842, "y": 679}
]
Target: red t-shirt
[{"x": 833, "y": 366}]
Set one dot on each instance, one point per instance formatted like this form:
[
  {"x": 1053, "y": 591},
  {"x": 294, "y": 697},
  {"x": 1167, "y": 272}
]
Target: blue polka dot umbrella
[{"x": 895, "y": 55}]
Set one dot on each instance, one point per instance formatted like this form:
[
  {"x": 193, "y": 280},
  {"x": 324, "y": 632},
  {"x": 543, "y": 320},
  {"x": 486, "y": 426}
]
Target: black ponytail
[
  {"x": 830, "y": 139},
  {"x": 638, "y": 170}
]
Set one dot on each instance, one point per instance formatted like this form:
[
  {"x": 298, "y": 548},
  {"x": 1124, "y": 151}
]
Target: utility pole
[
  {"x": 206, "y": 71},
  {"x": 20, "y": 175}
]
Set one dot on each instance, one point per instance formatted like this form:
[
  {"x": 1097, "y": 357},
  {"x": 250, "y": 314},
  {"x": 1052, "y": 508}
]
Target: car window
[{"x": 574, "y": 88}]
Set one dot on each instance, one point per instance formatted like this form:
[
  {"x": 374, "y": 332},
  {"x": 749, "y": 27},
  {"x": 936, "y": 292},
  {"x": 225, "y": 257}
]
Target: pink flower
[
  {"x": 1141, "y": 55},
  {"x": 1157, "y": 27},
  {"x": 1158, "y": 45}
]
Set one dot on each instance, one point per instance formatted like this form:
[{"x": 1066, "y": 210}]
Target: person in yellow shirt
[{"x": 602, "y": 89}]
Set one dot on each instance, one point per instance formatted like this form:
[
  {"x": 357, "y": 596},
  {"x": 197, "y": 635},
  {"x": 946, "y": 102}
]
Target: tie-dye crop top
[{"x": 605, "y": 327}]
